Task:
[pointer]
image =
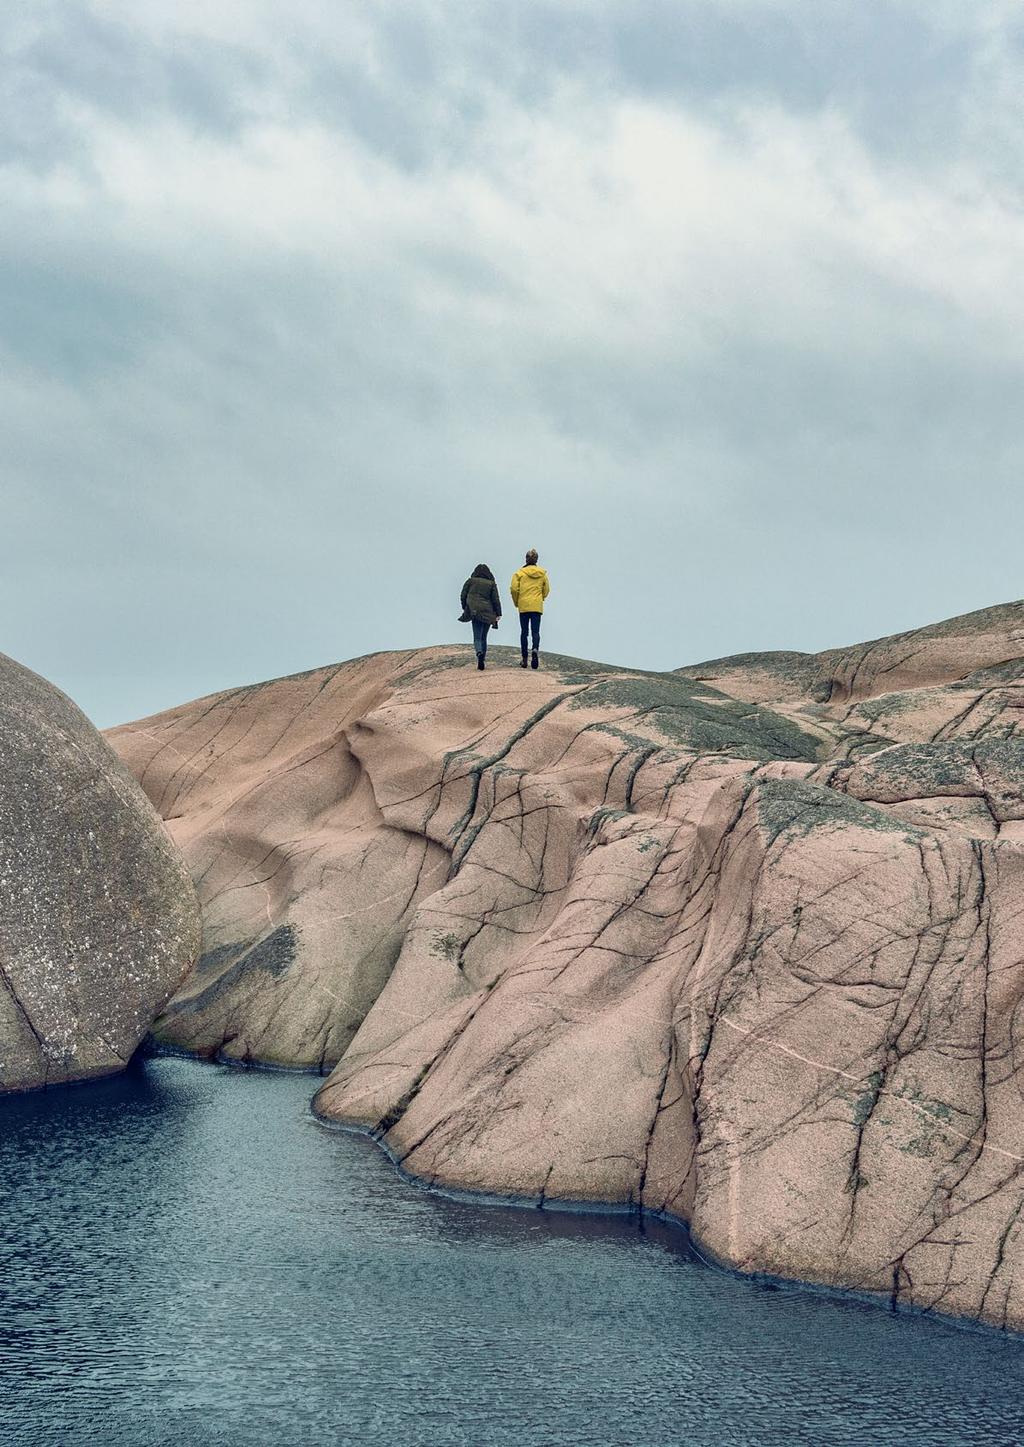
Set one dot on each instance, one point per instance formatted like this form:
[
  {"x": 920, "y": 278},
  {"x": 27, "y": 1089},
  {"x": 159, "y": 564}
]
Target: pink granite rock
[
  {"x": 942, "y": 653},
  {"x": 593, "y": 936},
  {"x": 306, "y": 891}
]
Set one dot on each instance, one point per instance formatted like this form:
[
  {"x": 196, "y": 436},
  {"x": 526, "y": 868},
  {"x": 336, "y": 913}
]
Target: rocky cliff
[
  {"x": 99, "y": 921},
  {"x": 743, "y": 943}
]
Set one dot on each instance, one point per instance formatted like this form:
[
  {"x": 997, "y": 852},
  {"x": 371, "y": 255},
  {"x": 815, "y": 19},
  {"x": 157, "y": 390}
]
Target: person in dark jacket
[{"x": 481, "y": 606}]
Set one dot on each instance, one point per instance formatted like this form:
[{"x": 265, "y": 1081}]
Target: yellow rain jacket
[{"x": 530, "y": 587}]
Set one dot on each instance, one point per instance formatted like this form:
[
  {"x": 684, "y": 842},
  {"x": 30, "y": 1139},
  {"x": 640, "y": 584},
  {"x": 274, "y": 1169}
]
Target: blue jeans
[
  {"x": 529, "y": 622},
  {"x": 480, "y": 631}
]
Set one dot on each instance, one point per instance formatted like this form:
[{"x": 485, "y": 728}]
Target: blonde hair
[{"x": 531, "y": 556}]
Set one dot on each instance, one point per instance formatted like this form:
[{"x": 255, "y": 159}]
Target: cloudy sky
[{"x": 305, "y": 309}]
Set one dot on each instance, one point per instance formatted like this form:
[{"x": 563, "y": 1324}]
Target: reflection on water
[{"x": 187, "y": 1256}]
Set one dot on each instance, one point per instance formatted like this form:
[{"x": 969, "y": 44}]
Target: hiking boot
[
  {"x": 534, "y": 661},
  {"x": 523, "y": 664},
  {"x": 479, "y": 660}
]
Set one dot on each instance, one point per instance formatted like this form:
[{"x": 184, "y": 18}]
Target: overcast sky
[{"x": 305, "y": 309}]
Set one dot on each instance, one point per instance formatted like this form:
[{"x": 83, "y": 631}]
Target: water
[{"x": 187, "y": 1257}]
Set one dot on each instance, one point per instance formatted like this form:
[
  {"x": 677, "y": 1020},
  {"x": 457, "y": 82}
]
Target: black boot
[
  {"x": 523, "y": 665},
  {"x": 534, "y": 661},
  {"x": 480, "y": 660}
]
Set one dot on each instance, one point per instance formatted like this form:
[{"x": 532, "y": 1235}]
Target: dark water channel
[{"x": 187, "y": 1257}]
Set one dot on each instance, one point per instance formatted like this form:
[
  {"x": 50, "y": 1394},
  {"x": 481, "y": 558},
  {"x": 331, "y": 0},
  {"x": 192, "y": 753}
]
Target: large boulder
[
  {"x": 98, "y": 918},
  {"x": 777, "y": 1001},
  {"x": 593, "y": 935},
  {"x": 281, "y": 799}
]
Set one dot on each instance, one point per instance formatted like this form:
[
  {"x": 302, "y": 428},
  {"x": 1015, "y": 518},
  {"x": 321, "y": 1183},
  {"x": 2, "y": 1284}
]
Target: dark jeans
[
  {"x": 480, "y": 631},
  {"x": 529, "y": 622}
]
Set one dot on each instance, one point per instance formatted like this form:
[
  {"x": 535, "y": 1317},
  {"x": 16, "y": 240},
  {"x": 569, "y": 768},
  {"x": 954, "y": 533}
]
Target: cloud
[{"x": 302, "y": 313}]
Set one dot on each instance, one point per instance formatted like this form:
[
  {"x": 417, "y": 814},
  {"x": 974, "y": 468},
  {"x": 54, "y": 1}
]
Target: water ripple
[{"x": 186, "y": 1257}]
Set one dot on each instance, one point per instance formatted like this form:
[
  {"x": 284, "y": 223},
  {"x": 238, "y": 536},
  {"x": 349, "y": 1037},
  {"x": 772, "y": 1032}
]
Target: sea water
[{"x": 187, "y": 1256}]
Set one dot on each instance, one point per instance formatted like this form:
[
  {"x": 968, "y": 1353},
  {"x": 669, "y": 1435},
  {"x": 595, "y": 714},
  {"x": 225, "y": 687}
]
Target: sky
[{"x": 307, "y": 309}]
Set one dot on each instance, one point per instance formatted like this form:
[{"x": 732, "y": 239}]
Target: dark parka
[{"x": 480, "y": 599}]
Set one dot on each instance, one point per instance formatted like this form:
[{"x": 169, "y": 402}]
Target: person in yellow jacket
[{"x": 530, "y": 587}]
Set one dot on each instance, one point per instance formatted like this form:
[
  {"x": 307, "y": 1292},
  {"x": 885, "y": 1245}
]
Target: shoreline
[{"x": 691, "y": 1244}]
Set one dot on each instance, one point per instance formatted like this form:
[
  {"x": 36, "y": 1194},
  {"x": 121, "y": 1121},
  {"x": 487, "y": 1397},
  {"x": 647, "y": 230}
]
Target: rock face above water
[
  {"x": 282, "y": 800},
  {"x": 741, "y": 944},
  {"x": 99, "y": 919}
]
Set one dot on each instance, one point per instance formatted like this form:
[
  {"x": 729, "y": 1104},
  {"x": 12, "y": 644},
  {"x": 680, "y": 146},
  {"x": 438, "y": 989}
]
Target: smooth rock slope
[
  {"x": 744, "y": 943},
  {"x": 99, "y": 921}
]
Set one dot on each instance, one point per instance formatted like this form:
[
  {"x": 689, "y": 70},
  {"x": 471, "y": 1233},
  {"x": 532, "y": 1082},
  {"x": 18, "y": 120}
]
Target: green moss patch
[
  {"x": 699, "y": 718},
  {"x": 794, "y": 807}
]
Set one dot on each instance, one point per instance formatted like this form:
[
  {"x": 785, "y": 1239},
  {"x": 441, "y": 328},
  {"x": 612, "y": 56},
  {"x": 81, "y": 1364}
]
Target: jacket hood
[{"x": 532, "y": 570}]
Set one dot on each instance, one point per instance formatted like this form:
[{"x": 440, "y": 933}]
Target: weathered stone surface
[
  {"x": 98, "y": 918},
  {"x": 941, "y": 653},
  {"x": 280, "y": 798},
  {"x": 758, "y": 967},
  {"x": 306, "y": 889}
]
